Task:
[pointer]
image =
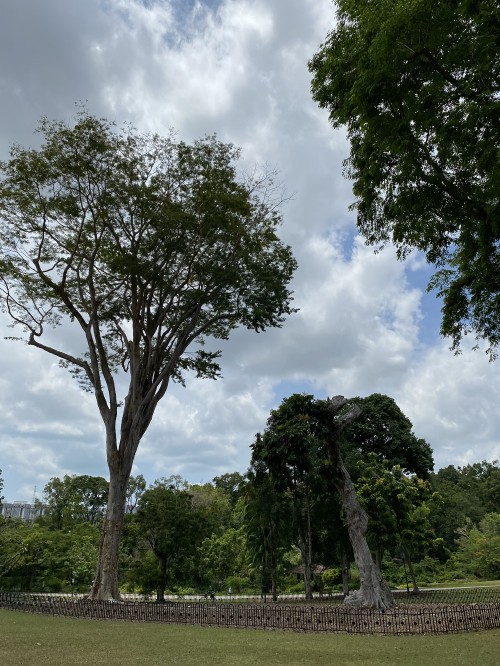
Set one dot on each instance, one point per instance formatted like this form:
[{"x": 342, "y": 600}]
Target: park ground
[{"x": 29, "y": 640}]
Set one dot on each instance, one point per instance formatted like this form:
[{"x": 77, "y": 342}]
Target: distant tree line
[{"x": 279, "y": 527}]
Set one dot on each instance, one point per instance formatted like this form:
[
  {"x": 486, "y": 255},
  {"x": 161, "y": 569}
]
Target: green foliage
[
  {"x": 36, "y": 558},
  {"x": 266, "y": 525},
  {"x": 138, "y": 229},
  {"x": 75, "y": 499},
  {"x": 416, "y": 85},
  {"x": 478, "y": 551},
  {"x": 398, "y": 506},
  {"x": 232, "y": 484},
  {"x": 136, "y": 486},
  {"x": 223, "y": 557},
  {"x": 331, "y": 577},
  {"x": 468, "y": 494},
  {"x": 142, "y": 575},
  {"x": 238, "y": 584},
  {"x": 443, "y": 525},
  {"x": 12, "y": 546},
  {"x": 171, "y": 527},
  {"x": 384, "y": 430},
  {"x": 430, "y": 570},
  {"x": 213, "y": 507},
  {"x": 1, "y": 488}
]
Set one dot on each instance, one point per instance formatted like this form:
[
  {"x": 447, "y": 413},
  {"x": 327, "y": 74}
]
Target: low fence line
[{"x": 410, "y": 619}]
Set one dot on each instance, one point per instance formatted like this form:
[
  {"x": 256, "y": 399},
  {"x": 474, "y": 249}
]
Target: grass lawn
[{"x": 35, "y": 640}]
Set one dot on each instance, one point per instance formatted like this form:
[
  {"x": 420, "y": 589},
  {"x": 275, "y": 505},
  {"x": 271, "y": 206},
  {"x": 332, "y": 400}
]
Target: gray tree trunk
[
  {"x": 120, "y": 460},
  {"x": 134, "y": 423},
  {"x": 105, "y": 585},
  {"x": 374, "y": 591}
]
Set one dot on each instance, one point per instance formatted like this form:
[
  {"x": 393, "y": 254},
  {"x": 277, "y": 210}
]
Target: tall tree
[
  {"x": 468, "y": 494},
  {"x": 171, "y": 527},
  {"x": 417, "y": 86},
  {"x": 147, "y": 247},
  {"x": 232, "y": 483},
  {"x": 75, "y": 499},
  {"x": 266, "y": 523},
  {"x": 292, "y": 451},
  {"x": 135, "y": 488},
  {"x": 291, "y": 446},
  {"x": 398, "y": 506}
]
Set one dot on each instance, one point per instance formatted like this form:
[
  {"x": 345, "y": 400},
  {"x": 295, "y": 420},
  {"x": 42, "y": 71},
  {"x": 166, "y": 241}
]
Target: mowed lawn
[{"x": 35, "y": 640}]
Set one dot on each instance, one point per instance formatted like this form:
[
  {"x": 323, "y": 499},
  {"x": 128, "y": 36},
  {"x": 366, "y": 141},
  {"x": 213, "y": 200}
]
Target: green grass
[
  {"x": 462, "y": 583},
  {"x": 29, "y": 640}
]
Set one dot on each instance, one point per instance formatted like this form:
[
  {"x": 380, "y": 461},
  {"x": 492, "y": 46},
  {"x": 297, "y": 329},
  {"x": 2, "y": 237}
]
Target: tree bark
[
  {"x": 106, "y": 587},
  {"x": 374, "y": 591}
]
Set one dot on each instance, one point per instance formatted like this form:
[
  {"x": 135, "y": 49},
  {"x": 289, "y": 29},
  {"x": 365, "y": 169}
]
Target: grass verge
[{"x": 27, "y": 640}]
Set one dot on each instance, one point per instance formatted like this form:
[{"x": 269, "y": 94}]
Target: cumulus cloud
[
  {"x": 454, "y": 401},
  {"x": 364, "y": 325}
]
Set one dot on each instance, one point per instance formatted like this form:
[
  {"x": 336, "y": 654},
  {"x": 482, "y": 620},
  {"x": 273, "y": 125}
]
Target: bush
[
  {"x": 238, "y": 584},
  {"x": 331, "y": 577},
  {"x": 297, "y": 588}
]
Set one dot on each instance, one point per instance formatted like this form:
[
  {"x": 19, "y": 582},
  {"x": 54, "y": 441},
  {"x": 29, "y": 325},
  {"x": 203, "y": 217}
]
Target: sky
[{"x": 365, "y": 323}]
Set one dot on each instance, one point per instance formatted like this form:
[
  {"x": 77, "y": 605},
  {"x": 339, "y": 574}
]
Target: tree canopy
[
  {"x": 303, "y": 435},
  {"x": 416, "y": 84},
  {"x": 145, "y": 247},
  {"x": 74, "y": 499},
  {"x": 171, "y": 527},
  {"x": 384, "y": 430}
]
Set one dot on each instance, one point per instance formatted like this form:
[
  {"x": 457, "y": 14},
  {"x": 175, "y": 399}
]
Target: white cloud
[
  {"x": 454, "y": 400},
  {"x": 239, "y": 68}
]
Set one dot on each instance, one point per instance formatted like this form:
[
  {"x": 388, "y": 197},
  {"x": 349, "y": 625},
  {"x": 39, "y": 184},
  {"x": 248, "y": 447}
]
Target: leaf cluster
[
  {"x": 417, "y": 86},
  {"x": 148, "y": 244}
]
